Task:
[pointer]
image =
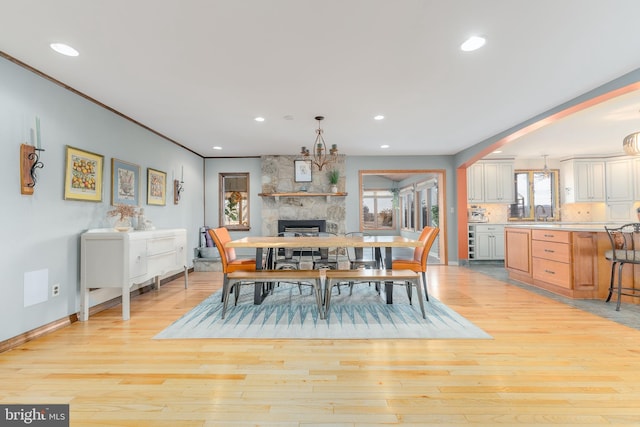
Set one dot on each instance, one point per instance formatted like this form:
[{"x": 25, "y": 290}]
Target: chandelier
[
  {"x": 320, "y": 156},
  {"x": 631, "y": 144}
]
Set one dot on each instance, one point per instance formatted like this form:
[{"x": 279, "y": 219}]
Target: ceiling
[{"x": 199, "y": 72}]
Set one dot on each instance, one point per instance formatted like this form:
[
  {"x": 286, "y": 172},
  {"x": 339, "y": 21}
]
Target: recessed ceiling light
[
  {"x": 217, "y": 147},
  {"x": 473, "y": 43},
  {"x": 378, "y": 117},
  {"x": 384, "y": 146},
  {"x": 497, "y": 152},
  {"x": 64, "y": 49},
  {"x": 259, "y": 119}
]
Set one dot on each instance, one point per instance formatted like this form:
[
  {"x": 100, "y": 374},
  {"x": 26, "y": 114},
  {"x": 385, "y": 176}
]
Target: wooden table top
[{"x": 324, "y": 242}]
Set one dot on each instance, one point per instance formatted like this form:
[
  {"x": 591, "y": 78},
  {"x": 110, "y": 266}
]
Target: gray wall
[{"x": 42, "y": 231}]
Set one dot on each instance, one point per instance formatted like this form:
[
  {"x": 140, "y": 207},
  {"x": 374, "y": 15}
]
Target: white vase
[
  {"x": 123, "y": 225},
  {"x": 334, "y": 188}
]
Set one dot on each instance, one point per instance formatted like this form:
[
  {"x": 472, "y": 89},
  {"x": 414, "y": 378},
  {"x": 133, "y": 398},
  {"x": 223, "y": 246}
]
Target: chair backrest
[
  {"x": 421, "y": 253},
  {"x": 221, "y": 237},
  {"x": 623, "y": 239}
]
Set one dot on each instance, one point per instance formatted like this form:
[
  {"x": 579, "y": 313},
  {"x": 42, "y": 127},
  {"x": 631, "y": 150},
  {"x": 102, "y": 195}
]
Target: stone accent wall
[{"x": 278, "y": 177}]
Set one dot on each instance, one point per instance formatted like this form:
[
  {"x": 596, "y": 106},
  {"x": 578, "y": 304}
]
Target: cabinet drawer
[
  {"x": 557, "y": 273},
  {"x": 160, "y": 245},
  {"x": 551, "y": 236},
  {"x": 486, "y": 228},
  {"x": 551, "y": 250},
  {"x": 162, "y": 264},
  {"x": 137, "y": 258}
]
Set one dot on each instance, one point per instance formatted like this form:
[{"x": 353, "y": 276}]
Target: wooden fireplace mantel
[{"x": 302, "y": 194}]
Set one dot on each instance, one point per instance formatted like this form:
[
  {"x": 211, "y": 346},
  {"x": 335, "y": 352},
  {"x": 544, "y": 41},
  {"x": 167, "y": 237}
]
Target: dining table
[{"x": 381, "y": 244}]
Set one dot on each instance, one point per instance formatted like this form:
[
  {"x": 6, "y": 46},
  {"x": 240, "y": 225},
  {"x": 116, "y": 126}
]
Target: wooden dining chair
[
  {"x": 420, "y": 256},
  {"x": 230, "y": 262}
]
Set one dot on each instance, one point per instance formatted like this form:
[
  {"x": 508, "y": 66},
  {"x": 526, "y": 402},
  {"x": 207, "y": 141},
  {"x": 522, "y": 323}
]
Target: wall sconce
[
  {"x": 178, "y": 188},
  {"x": 29, "y": 165}
]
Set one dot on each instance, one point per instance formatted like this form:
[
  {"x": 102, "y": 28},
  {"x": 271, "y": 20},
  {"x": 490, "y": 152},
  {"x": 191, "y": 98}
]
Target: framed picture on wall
[
  {"x": 125, "y": 183},
  {"x": 83, "y": 175},
  {"x": 156, "y": 187},
  {"x": 302, "y": 170}
]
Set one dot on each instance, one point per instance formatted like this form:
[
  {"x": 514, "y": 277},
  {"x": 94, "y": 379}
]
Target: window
[
  {"x": 408, "y": 209},
  {"x": 427, "y": 200},
  {"x": 536, "y": 196},
  {"x": 377, "y": 210},
  {"x": 234, "y": 201}
]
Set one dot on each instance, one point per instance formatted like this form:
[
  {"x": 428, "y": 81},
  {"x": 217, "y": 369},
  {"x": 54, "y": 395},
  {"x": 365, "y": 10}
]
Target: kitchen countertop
[{"x": 564, "y": 226}]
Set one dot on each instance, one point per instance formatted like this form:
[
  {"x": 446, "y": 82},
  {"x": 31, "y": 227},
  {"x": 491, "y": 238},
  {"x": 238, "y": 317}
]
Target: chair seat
[
  {"x": 407, "y": 264},
  {"x": 622, "y": 255},
  {"x": 241, "y": 265}
]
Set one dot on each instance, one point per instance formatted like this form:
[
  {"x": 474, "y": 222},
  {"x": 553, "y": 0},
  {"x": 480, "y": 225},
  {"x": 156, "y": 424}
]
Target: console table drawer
[
  {"x": 551, "y": 250},
  {"x": 557, "y": 273},
  {"x": 160, "y": 245}
]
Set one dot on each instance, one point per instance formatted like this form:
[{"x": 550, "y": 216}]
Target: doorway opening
[{"x": 403, "y": 202}]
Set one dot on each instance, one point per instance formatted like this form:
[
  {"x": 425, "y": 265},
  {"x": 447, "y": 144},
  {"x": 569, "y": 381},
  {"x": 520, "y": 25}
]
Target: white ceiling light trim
[
  {"x": 473, "y": 43},
  {"x": 64, "y": 49},
  {"x": 259, "y": 119},
  {"x": 378, "y": 117}
]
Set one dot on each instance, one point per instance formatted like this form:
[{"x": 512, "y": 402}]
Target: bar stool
[{"x": 623, "y": 251}]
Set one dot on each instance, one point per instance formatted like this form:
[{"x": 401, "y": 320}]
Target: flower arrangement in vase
[{"x": 125, "y": 213}]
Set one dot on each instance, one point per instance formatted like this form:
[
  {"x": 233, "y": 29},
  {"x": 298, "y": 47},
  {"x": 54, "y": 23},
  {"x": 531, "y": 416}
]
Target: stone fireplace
[{"x": 303, "y": 202}]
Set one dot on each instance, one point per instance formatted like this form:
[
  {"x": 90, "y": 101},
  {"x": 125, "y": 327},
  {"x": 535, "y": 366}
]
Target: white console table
[{"x": 112, "y": 259}]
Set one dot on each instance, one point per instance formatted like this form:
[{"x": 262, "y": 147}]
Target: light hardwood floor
[{"x": 547, "y": 363}]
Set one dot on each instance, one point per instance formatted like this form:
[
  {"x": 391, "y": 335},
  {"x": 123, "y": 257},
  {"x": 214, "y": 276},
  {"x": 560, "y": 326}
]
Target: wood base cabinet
[
  {"x": 564, "y": 262},
  {"x": 518, "y": 253}
]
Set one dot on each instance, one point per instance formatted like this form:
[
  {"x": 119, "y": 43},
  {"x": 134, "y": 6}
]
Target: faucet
[{"x": 544, "y": 215}]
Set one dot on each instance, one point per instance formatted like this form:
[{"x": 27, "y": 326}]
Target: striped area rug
[{"x": 288, "y": 314}]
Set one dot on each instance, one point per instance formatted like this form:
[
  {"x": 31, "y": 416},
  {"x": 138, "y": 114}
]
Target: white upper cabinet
[
  {"x": 636, "y": 181},
  {"x": 499, "y": 184},
  {"x": 491, "y": 182},
  {"x": 475, "y": 183},
  {"x": 619, "y": 180},
  {"x": 584, "y": 180}
]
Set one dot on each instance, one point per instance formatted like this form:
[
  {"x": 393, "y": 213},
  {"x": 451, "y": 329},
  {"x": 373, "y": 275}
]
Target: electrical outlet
[{"x": 55, "y": 290}]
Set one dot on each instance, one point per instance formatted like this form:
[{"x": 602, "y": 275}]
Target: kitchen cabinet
[
  {"x": 619, "y": 180},
  {"x": 518, "y": 252},
  {"x": 551, "y": 257},
  {"x": 491, "y": 182},
  {"x": 584, "y": 180},
  {"x": 499, "y": 186},
  {"x": 475, "y": 183},
  {"x": 564, "y": 262},
  {"x": 112, "y": 259},
  {"x": 636, "y": 178},
  {"x": 486, "y": 242}
]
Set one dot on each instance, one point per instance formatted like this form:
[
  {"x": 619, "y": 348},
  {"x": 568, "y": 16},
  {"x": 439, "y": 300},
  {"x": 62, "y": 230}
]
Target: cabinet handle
[
  {"x": 549, "y": 251},
  {"x": 550, "y": 272},
  {"x": 549, "y": 235}
]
